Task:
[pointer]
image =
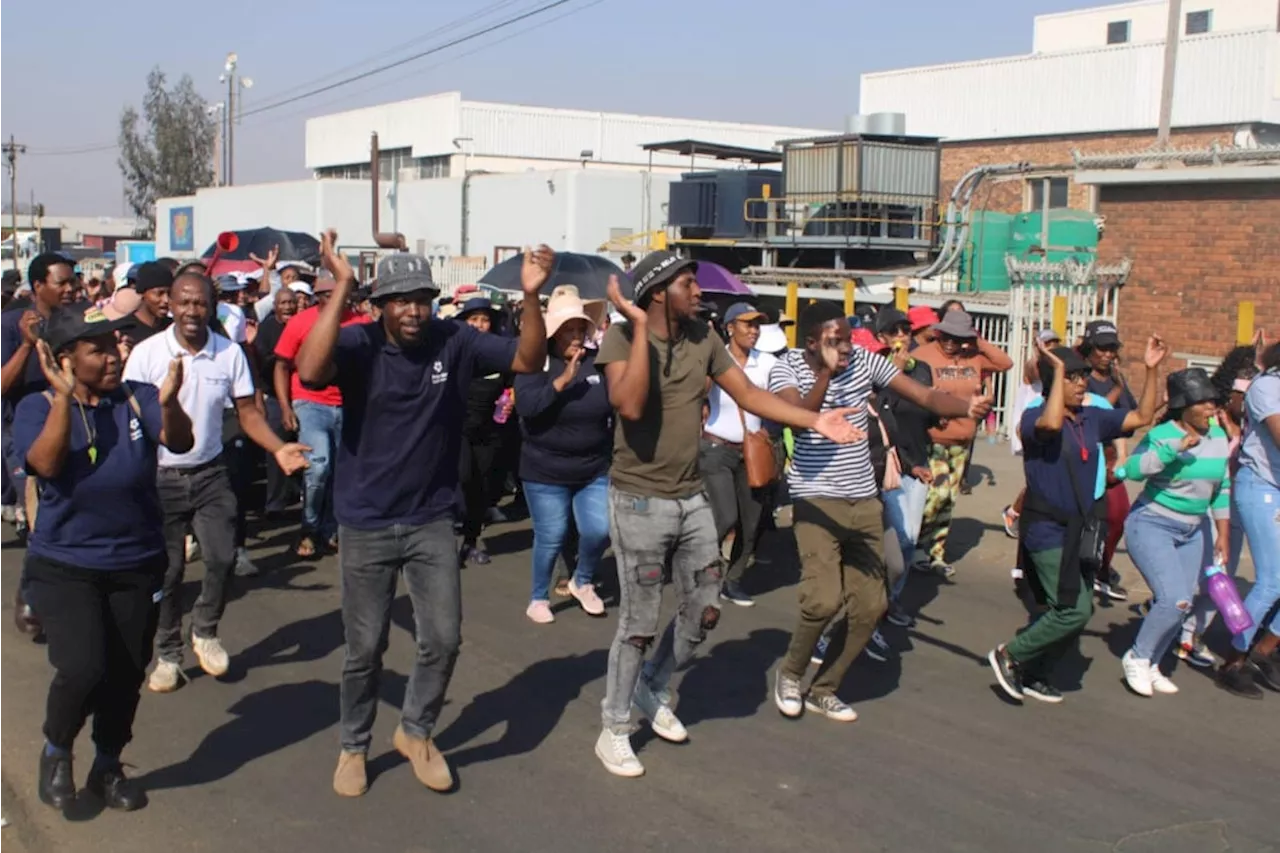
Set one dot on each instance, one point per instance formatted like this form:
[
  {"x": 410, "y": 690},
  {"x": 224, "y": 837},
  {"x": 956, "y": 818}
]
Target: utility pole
[
  {"x": 11, "y": 151},
  {"x": 1172, "y": 35},
  {"x": 234, "y": 85}
]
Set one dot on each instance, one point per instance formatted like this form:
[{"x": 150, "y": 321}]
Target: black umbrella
[
  {"x": 294, "y": 245},
  {"x": 589, "y": 273}
]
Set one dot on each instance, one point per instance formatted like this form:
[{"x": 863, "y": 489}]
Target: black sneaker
[
  {"x": 57, "y": 782},
  {"x": 1007, "y": 672},
  {"x": 1038, "y": 688},
  {"x": 115, "y": 789},
  {"x": 1238, "y": 681},
  {"x": 732, "y": 592},
  {"x": 1267, "y": 669},
  {"x": 898, "y": 615},
  {"x": 878, "y": 648}
]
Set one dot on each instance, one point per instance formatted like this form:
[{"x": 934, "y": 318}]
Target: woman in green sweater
[{"x": 1184, "y": 463}]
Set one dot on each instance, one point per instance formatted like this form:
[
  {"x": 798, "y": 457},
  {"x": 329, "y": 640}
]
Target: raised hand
[
  {"x": 570, "y": 370},
  {"x": 59, "y": 374},
  {"x": 832, "y": 424},
  {"x": 1190, "y": 439},
  {"x": 269, "y": 262},
  {"x": 333, "y": 260},
  {"x": 1157, "y": 351},
  {"x": 830, "y": 356},
  {"x": 1046, "y": 352},
  {"x": 625, "y": 306},
  {"x": 172, "y": 382},
  {"x": 536, "y": 269},
  {"x": 291, "y": 457},
  {"x": 30, "y": 324},
  {"x": 980, "y": 405}
]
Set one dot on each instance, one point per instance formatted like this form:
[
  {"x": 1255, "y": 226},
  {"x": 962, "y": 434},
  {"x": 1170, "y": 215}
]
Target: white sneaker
[
  {"x": 662, "y": 719},
  {"x": 1160, "y": 682},
  {"x": 586, "y": 595},
  {"x": 245, "y": 567},
  {"x": 786, "y": 695},
  {"x": 1137, "y": 673},
  {"x": 540, "y": 612},
  {"x": 614, "y": 752},
  {"x": 165, "y": 677},
  {"x": 212, "y": 656},
  {"x": 192, "y": 549}
]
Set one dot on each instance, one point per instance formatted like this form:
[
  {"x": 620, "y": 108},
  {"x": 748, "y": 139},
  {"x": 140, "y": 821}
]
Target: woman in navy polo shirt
[{"x": 96, "y": 554}]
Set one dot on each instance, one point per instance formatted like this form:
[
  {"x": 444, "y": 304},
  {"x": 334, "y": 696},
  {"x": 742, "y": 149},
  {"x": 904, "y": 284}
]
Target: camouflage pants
[{"x": 948, "y": 466}]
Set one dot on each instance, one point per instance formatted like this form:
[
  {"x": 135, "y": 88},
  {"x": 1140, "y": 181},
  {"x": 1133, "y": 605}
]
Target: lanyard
[{"x": 1078, "y": 431}]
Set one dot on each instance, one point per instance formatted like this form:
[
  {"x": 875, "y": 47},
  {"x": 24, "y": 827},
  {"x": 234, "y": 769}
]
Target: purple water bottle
[
  {"x": 501, "y": 409},
  {"x": 1222, "y": 589}
]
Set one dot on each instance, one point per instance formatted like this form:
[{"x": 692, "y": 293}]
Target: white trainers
[
  {"x": 1160, "y": 682},
  {"x": 1137, "y": 673},
  {"x": 245, "y": 567},
  {"x": 786, "y": 695},
  {"x": 586, "y": 595},
  {"x": 614, "y": 752},
  {"x": 191, "y": 549},
  {"x": 540, "y": 612},
  {"x": 165, "y": 677},
  {"x": 212, "y": 656},
  {"x": 662, "y": 719}
]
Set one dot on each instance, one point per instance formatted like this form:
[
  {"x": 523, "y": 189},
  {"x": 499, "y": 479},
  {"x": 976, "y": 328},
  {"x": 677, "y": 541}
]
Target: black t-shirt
[
  {"x": 140, "y": 331},
  {"x": 264, "y": 343},
  {"x": 482, "y": 397}
]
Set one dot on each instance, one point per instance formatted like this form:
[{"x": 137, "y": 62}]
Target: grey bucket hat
[
  {"x": 957, "y": 324},
  {"x": 400, "y": 274}
]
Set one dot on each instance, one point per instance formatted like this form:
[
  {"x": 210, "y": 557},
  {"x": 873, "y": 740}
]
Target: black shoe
[
  {"x": 1238, "y": 681},
  {"x": 57, "y": 782},
  {"x": 898, "y": 615},
  {"x": 1267, "y": 670},
  {"x": 115, "y": 789},
  {"x": 732, "y": 592},
  {"x": 1038, "y": 688},
  {"x": 1007, "y": 673}
]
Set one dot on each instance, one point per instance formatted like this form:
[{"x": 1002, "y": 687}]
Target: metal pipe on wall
[{"x": 383, "y": 240}]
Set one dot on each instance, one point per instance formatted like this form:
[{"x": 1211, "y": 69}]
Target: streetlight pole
[
  {"x": 233, "y": 109},
  {"x": 11, "y": 151}
]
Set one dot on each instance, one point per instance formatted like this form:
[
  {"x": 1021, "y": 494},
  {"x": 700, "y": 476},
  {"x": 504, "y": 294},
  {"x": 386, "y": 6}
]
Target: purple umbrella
[{"x": 715, "y": 279}]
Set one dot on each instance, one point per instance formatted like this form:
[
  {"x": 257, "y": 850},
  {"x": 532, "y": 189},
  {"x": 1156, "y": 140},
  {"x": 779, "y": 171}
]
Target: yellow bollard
[
  {"x": 848, "y": 297},
  {"x": 901, "y": 293},
  {"x": 1060, "y": 317},
  {"x": 1244, "y": 324},
  {"x": 792, "y": 310}
]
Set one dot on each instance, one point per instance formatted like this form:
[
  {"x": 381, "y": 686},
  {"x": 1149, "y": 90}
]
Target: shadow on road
[{"x": 731, "y": 681}]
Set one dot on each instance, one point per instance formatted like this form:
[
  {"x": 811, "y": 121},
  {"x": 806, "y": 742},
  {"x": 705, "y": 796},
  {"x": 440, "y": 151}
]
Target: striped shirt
[
  {"x": 1183, "y": 485},
  {"x": 820, "y": 468}
]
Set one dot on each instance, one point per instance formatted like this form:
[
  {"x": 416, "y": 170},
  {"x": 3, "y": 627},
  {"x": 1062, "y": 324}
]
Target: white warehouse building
[{"x": 468, "y": 178}]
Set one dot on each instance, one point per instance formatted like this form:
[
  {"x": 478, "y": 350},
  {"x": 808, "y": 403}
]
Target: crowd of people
[{"x": 137, "y": 413}]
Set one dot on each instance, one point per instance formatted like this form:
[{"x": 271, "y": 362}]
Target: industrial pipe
[{"x": 383, "y": 240}]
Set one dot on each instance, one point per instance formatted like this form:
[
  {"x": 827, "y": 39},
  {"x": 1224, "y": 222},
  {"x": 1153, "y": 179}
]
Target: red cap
[
  {"x": 922, "y": 317},
  {"x": 869, "y": 342}
]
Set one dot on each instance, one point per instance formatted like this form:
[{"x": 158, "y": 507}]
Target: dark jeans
[
  {"x": 476, "y": 475},
  {"x": 371, "y": 560},
  {"x": 240, "y": 457},
  {"x": 282, "y": 490},
  {"x": 100, "y": 626},
  {"x": 735, "y": 504},
  {"x": 200, "y": 498}
]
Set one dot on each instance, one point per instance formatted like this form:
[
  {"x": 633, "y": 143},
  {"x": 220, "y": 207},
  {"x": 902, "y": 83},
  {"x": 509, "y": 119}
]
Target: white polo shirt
[
  {"x": 211, "y": 379},
  {"x": 724, "y": 422}
]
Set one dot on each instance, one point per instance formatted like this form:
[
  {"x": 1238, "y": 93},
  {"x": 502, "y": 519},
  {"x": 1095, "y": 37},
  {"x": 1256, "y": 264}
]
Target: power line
[
  {"x": 380, "y": 69},
  {"x": 69, "y": 152}
]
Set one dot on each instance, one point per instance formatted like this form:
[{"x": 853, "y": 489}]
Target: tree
[{"x": 167, "y": 150}]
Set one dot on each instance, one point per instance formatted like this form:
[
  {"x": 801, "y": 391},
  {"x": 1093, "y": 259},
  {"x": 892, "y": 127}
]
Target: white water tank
[{"x": 877, "y": 124}]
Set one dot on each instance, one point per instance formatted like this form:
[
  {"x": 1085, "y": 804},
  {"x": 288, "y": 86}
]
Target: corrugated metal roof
[
  {"x": 1222, "y": 79},
  {"x": 429, "y": 125}
]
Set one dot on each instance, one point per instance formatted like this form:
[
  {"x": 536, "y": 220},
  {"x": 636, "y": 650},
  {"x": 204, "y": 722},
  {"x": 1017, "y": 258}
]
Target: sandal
[
  {"x": 562, "y": 588},
  {"x": 305, "y": 549}
]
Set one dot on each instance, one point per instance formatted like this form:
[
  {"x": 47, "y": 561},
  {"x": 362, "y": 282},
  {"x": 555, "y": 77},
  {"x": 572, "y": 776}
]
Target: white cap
[
  {"x": 119, "y": 275},
  {"x": 302, "y": 287},
  {"x": 772, "y": 338}
]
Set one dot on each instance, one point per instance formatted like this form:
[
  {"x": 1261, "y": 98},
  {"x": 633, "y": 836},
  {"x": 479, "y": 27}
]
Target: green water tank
[
  {"x": 1072, "y": 234},
  {"x": 982, "y": 264}
]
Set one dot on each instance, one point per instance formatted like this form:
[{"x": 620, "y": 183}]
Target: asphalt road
[{"x": 936, "y": 762}]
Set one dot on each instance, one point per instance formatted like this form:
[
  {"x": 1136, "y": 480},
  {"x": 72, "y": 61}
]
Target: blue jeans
[
  {"x": 1259, "y": 505},
  {"x": 320, "y": 428},
  {"x": 904, "y": 511},
  {"x": 1171, "y": 555},
  {"x": 370, "y": 562},
  {"x": 549, "y": 507}
]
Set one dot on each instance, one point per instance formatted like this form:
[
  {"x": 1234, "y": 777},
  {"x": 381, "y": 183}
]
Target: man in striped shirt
[{"x": 838, "y": 515}]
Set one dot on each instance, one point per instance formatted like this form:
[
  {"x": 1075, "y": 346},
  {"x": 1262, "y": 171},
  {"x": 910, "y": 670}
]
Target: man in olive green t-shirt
[{"x": 657, "y": 365}]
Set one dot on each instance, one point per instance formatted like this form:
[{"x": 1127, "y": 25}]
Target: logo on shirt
[
  {"x": 135, "y": 430},
  {"x": 593, "y": 379},
  {"x": 438, "y": 373}
]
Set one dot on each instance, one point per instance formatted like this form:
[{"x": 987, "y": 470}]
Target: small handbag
[
  {"x": 892, "y": 464},
  {"x": 757, "y": 455}
]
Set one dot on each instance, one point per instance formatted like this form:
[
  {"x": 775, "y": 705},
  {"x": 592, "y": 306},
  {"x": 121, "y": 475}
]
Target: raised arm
[
  {"x": 315, "y": 358},
  {"x": 11, "y": 374},
  {"x": 531, "y": 354},
  {"x": 48, "y": 452},
  {"x": 1054, "y": 412},
  {"x": 999, "y": 359},
  {"x": 1156, "y": 353},
  {"x": 938, "y": 402},
  {"x": 629, "y": 380}
]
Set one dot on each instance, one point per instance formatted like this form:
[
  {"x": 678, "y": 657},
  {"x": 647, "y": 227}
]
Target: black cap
[
  {"x": 889, "y": 317},
  {"x": 656, "y": 270},
  {"x": 151, "y": 275},
  {"x": 79, "y": 322},
  {"x": 1072, "y": 362},
  {"x": 1188, "y": 387},
  {"x": 1101, "y": 333}
]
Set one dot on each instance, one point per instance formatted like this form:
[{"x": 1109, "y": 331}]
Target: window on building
[
  {"x": 1057, "y": 193},
  {"x": 1199, "y": 22},
  {"x": 1118, "y": 32},
  {"x": 433, "y": 167}
]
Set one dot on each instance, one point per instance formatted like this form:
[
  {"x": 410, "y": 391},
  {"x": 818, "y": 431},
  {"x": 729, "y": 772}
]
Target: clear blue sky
[{"x": 66, "y": 78}]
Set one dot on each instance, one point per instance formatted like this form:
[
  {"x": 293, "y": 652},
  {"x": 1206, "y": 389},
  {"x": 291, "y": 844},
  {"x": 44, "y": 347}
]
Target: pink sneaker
[
  {"x": 540, "y": 612},
  {"x": 586, "y": 595}
]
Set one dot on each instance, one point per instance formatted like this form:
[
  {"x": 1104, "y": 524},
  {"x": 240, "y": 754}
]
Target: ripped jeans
[
  {"x": 648, "y": 534},
  {"x": 1171, "y": 554}
]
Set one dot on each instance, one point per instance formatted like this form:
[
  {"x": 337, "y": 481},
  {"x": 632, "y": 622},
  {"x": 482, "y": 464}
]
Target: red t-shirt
[{"x": 295, "y": 332}]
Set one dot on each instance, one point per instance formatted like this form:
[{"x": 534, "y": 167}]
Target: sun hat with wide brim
[
  {"x": 565, "y": 304},
  {"x": 957, "y": 324}
]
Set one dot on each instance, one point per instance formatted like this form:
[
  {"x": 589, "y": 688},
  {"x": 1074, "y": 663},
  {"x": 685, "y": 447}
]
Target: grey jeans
[
  {"x": 200, "y": 498},
  {"x": 648, "y": 534},
  {"x": 370, "y": 562}
]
